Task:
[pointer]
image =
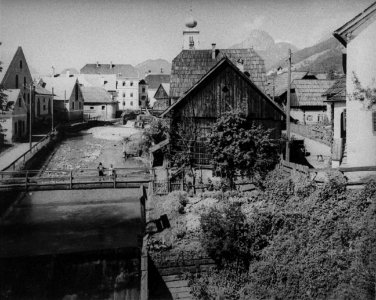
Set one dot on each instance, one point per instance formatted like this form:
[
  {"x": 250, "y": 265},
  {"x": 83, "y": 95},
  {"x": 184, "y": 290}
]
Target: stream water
[{"x": 76, "y": 244}]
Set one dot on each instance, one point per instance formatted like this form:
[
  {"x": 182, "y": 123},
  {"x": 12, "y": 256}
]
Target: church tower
[{"x": 191, "y": 34}]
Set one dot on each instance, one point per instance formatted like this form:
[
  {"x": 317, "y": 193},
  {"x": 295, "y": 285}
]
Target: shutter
[{"x": 374, "y": 120}]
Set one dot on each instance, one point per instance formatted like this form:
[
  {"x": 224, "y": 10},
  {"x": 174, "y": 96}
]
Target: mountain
[
  {"x": 154, "y": 66},
  {"x": 266, "y": 47},
  {"x": 322, "y": 57}
]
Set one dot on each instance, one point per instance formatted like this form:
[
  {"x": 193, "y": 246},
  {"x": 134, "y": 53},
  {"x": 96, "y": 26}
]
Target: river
[{"x": 79, "y": 244}]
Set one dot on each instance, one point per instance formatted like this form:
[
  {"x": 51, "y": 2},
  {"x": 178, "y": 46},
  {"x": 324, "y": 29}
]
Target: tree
[
  {"x": 241, "y": 147},
  {"x": 156, "y": 133}
]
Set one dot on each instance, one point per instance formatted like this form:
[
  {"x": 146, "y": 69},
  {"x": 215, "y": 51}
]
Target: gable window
[
  {"x": 20, "y": 64},
  {"x": 374, "y": 120},
  {"x": 16, "y": 82},
  {"x": 76, "y": 93}
]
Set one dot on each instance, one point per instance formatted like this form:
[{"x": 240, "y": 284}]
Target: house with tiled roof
[
  {"x": 68, "y": 101},
  {"x": 189, "y": 66},
  {"x": 13, "y": 116},
  {"x": 308, "y": 104},
  {"x": 16, "y": 74},
  {"x": 98, "y": 103},
  {"x": 358, "y": 35},
  {"x": 127, "y": 78},
  {"x": 222, "y": 88},
  {"x": 336, "y": 99},
  {"x": 162, "y": 98}
]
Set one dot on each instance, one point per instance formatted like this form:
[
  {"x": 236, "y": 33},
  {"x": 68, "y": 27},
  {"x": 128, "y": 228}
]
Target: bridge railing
[{"x": 26, "y": 178}]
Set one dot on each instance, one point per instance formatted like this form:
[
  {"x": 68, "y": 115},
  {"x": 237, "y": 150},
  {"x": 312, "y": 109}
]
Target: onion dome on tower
[{"x": 190, "y": 34}]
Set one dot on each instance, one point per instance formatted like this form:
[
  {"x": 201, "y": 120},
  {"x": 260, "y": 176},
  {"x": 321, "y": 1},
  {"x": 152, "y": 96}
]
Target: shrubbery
[{"x": 298, "y": 241}]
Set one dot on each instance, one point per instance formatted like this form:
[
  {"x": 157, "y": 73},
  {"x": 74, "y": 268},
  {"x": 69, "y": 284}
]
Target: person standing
[{"x": 100, "y": 171}]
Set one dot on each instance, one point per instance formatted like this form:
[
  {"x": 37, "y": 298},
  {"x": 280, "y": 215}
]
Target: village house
[
  {"x": 143, "y": 94},
  {"x": 154, "y": 81},
  {"x": 13, "y": 116},
  {"x": 43, "y": 107},
  {"x": 336, "y": 98},
  {"x": 68, "y": 101},
  {"x": 98, "y": 103},
  {"x": 307, "y": 104},
  {"x": 105, "y": 81},
  {"x": 162, "y": 98},
  {"x": 222, "y": 88},
  {"x": 127, "y": 78},
  {"x": 15, "y": 74},
  {"x": 359, "y": 37}
]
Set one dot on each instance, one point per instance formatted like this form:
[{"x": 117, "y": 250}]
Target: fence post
[{"x": 71, "y": 179}]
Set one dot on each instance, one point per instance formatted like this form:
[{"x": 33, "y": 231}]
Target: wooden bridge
[{"x": 36, "y": 180}]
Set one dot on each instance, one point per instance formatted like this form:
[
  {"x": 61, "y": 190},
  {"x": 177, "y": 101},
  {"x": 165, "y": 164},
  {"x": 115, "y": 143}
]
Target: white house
[
  {"x": 98, "y": 103},
  {"x": 359, "y": 37}
]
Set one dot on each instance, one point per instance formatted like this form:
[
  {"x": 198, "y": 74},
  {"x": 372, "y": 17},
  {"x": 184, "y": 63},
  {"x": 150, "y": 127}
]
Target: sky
[{"x": 71, "y": 33}]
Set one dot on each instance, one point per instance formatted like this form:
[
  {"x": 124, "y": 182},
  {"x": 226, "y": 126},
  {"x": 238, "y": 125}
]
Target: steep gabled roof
[
  {"x": 8, "y": 59},
  {"x": 63, "y": 86},
  {"x": 309, "y": 92},
  {"x": 337, "y": 92},
  {"x": 98, "y": 80},
  {"x": 154, "y": 80},
  {"x": 41, "y": 90},
  {"x": 353, "y": 27},
  {"x": 95, "y": 94},
  {"x": 224, "y": 60},
  {"x": 166, "y": 87},
  {"x": 191, "y": 65},
  {"x": 120, "y": 70}
]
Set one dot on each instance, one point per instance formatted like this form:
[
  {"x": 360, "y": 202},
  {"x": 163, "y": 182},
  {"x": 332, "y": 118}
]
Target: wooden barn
[{"x": 223, "y": 88}]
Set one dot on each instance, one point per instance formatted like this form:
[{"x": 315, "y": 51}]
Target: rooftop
[
  {"x": 189, "y": 66},
  {"x": 309, "y": 92},
  {"x": 154, "y": 80},
  {"x": 63, "y": 86},
  {"x": 95, "y": 94},
  {"x": 337, "y": 92},
  {"x": 120, "y": 70}
]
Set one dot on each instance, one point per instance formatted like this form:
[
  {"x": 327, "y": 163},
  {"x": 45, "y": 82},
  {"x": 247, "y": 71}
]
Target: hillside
[
  {"x": 154, "y": 66},
  {"x": 266, "y": 47},
  {"x": 322, "y": 57}
]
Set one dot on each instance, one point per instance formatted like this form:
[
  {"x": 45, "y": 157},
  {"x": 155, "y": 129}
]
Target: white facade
[
  {"x": 127, "y": 94},
  {"x": 309, "y": 117},
  {"x": 361, "y": 137}
]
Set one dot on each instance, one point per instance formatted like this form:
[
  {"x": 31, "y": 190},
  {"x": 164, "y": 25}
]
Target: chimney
[
  {"x": 110, "y": 64},
  {"x": 161, "y": 70},
  {"x": 97, "y": 64},
  {"x": 213, "y": 51}
]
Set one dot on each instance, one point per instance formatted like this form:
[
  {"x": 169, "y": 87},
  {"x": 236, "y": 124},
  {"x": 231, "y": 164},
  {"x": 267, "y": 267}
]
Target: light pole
[
  {"x": 288, "y": 108},
  {"x": 31, "y": 88},
  {"x": 52, "y": 111}
]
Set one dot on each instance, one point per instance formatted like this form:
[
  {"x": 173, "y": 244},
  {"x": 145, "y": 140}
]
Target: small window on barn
[
  {"x": 310, "y": 118},
  {"x": 91, "y": 107},
  {"x": 16, "y": 82},
  {"x": 103, "y": 107},
  {"x": 374, "y": 120}
]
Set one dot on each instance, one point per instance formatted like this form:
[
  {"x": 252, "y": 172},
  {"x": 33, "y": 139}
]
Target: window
[
  {"x": 131, "y": 83},
  {"x": 131, "y": 103},
  {"x": 103, "y": 107},
  {"x": 19, "y": 102},
  {"x": 143, "y": 90},
  {"x": 123, "y": 95},
  {"x": 24, "y": 82},
  {"x": 16, "y": 82},
  {"x": 374, "y": 120},
  {"x": 123, "y": 103},
  {"x": 91, "y": 107},
  {"x": 76, "y": 93},
  {"x": 72, "y": 106},
  {"x": 143, "y": 97},
  {"x": 80, "y": 105},
  {"x": 309, "y": 118},
  {"x": 123, "y": 83},
  {"x": 191, "y": 42},
  {"x": 44, "y": 107},
  {"x": 15, "y": 128},
  {"x": 131, "y": 95},
  {"x": 20, "y": 64}
]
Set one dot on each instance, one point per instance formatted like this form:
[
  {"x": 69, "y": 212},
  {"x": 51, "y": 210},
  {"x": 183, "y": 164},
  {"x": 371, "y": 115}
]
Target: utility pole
[
  {"x": 30, "y": 109},
  {"x": 52, "y": 111},
  {"x": 288, "y": 108}
]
